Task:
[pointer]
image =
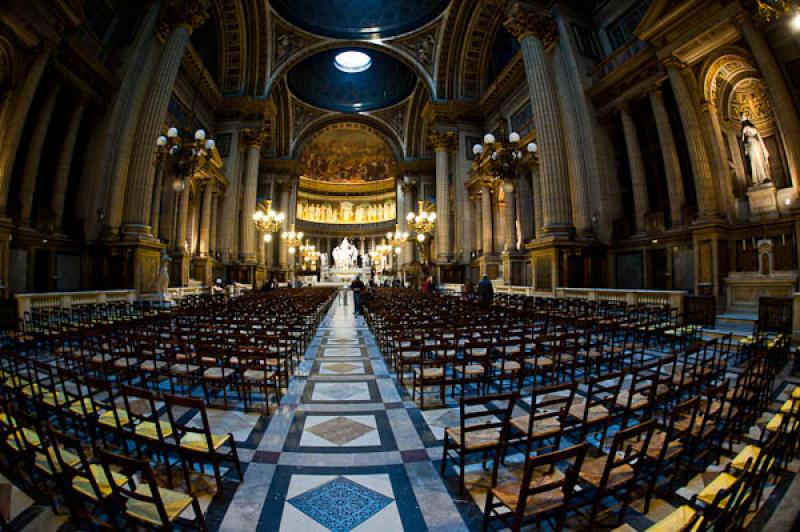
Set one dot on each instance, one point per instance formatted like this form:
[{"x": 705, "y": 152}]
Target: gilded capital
[
  {"x": 253, "y": 138},
  {"x": 189, "y": 14},
  {"x": 524, "y": 23},
  {"x": 442, "y": 141}
]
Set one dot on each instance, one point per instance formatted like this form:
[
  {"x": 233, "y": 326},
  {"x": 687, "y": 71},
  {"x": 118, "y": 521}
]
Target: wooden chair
[
  {"x": 616, "y": 473},
  {"x": 145, "y": 503},
  {"x": 548, "y": 417},
  {"x": 482, "y": 426},
  {"x": 594, "y": 413},
  {"x": 546, "y": 489},
  {"x": 198, "y": 444}
]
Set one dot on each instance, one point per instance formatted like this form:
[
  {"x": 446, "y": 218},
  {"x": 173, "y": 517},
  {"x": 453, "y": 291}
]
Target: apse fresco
[{"x": 348, "y": 155}]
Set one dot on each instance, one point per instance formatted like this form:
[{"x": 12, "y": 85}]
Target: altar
[{"x": 343, "y": 275}]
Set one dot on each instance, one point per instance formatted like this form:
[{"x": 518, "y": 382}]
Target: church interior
[{"x": 399, "y": 265}]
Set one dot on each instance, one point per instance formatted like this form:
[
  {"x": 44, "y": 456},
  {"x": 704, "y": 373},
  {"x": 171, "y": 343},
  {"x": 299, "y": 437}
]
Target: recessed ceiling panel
[
  {"x": 359, "y": 19},
  {"x": 325, "y": 81}
]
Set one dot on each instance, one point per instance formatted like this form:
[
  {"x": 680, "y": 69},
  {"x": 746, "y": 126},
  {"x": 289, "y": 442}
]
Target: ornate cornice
[
  {"x": 524, "y": 23},
  {"x": 452, "y": 112},
  {"x": 443, "y": 140}
]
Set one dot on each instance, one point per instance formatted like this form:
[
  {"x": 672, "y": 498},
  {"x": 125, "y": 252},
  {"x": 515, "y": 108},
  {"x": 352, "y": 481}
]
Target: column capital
[
  {"x": 675, "y": 63},
  {"x": 442, "y": 140},
  {"x": 253, "y": 138},
  {"x": 523, "y": 23},
  {"x": 189, "y": 14}
]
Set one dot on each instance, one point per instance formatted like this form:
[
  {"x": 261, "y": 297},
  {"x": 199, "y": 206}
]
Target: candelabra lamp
[
  {"x": 423, "y": 223},
  {"x": 181, "y": 157},
  {"x": 293, "y": 239},
  {"x": 267, "y": 220},
  {"x": 396, "y": 239},
  {"x": 504, "y": 159}
]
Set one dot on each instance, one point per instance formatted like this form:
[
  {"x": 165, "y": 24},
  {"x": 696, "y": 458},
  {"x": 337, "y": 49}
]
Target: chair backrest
[
  {"x": 132, "y": 469},
  {"x": 495, "y": 414},
  {"x": 571, "y": 457},
  {"x": 180, "y": 430},
  {"x": 628, "y": 448}
]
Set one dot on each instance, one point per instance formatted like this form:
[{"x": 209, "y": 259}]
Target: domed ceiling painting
[{"x": 348, "y": 153}]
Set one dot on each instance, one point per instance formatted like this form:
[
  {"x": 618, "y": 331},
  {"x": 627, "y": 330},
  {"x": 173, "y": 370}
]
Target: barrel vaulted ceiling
[{"x": 282, "y": 51}]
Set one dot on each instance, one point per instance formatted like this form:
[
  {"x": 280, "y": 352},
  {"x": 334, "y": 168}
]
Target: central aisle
[{"x": 344, "y": 451}]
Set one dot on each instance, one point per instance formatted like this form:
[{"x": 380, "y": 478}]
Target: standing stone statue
[
  {"x": 163, "y": 278},
  {"x": 756, "y": 152}
]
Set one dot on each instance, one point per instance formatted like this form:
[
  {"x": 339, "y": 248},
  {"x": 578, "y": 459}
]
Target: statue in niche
[
  {"x": 381, "y": 213},
  {"x": 163, "y": 278},
  {"x": 360, "y": 213},
  {"x": 756, "y": 151},
  {"x": 347, "y": 211}
]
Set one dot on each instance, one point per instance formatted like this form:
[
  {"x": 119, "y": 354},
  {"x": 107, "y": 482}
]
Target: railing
[
  {"x": 673, "y": 298},
  {"x": 26, "y": 303},
  {"x": 617, "y": 59}
]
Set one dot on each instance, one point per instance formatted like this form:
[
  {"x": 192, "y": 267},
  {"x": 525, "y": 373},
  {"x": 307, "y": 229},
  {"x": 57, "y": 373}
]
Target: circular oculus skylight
[{"x": 352, "y": 61}]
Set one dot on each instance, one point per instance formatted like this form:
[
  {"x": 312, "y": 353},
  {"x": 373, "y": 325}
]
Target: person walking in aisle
[{"x": 357, "y": 286}]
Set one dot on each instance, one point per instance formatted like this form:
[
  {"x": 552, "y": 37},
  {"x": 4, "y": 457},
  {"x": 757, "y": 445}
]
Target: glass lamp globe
[
  {"x": 200, "y": 134},
  {"x": 477, "y": 149},
  {"x": 161, "y": 141},
  {"x": 210, "y": 144},
  {"x": 172, "y": 132},
  {"x": 280, "y": 217},
  {"x": 267, "y": 237},
  {"x": 421, "y": 237},
  {"x": 488, "y": 139},
  {"x": 410, "y": 216},
  {"x": 178, "y": 184},
  {"x": 292, "y": 250},
  {"x": 300, "y": 236},
  {"x": 432, "y": 217},
  {"x": 532, "y": 147},
  {"x": 398, "y": 250},
  {"x": 257, "y": 216},
  {"x": 513, "y": 137}
]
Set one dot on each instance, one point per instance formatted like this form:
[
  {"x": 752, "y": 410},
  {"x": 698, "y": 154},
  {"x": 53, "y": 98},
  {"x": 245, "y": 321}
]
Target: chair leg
[{"x": 444, "y": 455}]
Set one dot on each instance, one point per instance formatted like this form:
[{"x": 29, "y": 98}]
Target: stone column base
[
  {"x": 132, "y": 264},
  {"x": 558, "y": 263},
  {"x": 490, "y": 265},
  {"x": 513, "y": 268},
  {"x": 181, "y": 268},
  {"x": 202, "y": 270}
]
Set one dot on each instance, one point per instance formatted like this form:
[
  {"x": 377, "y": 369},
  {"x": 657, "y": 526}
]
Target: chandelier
[
  {"x": 268, "y": 221},
  {"x": 397, "y": 239},
  {"x": 293, "y": 239},
  {"x": 504, "y": 160},
  {"x": 423, "y": 221},
  {"x": 183, "y": 157}
]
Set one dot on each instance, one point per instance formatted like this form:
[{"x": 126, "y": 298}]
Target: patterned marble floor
[{"x": 348, "y": 450}]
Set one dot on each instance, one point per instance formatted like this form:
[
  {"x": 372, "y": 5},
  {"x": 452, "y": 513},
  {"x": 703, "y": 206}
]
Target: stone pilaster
[
  {"x": 783, "y": 106},
  {"x": 538, "y": 218},
  {"x": 510, "y": 244},
  {"x": 213, "y": 245},
  {"x": 12, "y": 130},
  {"x": 525, "y": 208},
  {"x": 443, "y": 144},
  {"x": 205, "y": 220},
  {"x": 698, "y": 154},
  {"x": 669, "y": 153},
  {"x": 155, "y": 209},
  {"x": 486, "y": 220},
  {"x": 35, "y": 146},
  {"x": 182, "y": 16},
  {"x": 252, "y": 140},
  {"x": 179, "y": 243},
  {"x": 229, "y": 221},
  {"x": 65, "y": 163},
  {"x": 537, "y": 33},
  {"x": 641, "y": 201}
]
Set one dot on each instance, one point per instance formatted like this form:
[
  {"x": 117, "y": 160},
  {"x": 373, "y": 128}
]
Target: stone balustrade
[
  {"x": 673, "y": 298},
  {"x": 26, "y": 303}
]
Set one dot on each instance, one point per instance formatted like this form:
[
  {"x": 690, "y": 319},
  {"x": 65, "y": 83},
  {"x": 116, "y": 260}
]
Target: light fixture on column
[
  {"x": 181, "y": 157},
  {"x": 267, "y": 220},
  {"x": 293, "y": 239},
  {"x": 424, "y": 220},
  {"x": 397, "y": 239},
  {"x": 504, "y": 159}
]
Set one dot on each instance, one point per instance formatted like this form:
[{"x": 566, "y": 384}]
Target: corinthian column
[
  {"x": 181, "y": 228},
  {"x": 12, "y": 130},
  {"x": 252, "y": 140},
  {"x": 783, "y": 106},
  {"x": 31, "y": 170},
  {"x": 511, "y": 218},
  {"x": 283, "y": 253},
  {"x": 443, "y": 144},
  {"x": 641, "y": 202},
  {"x": 538, "y": 219},
  {"x": 183, "y": 16},
  {"x": 536, "y": 33},
  {"x": 65, "y": 163},
  {"x": 229, "y": 221},
  {"x": 672, "y": 165},
  {"x": 205, "y": 220},
  {"x": 698, "y": 155},
  {"x": 486, "y": 220},
  {"x": 408, "y": 189}
]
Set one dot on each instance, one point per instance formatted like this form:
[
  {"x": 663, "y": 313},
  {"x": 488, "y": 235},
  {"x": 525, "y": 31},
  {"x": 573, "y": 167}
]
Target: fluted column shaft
[
  {"x": 669, "y": 153},
  {"x": 229, "y": 221},
  {"x": 205, "y": 220},
  {"x": 698, "y": 155},
  {"x": 12, "y": 130},
  {"x": 783, "y": 107},
  {"x": 31, "y": 170},
  {"x": 65, "y": 163},
  {"x": 155, "y": 209},
  {"x": 534, "y": 31},
  {"x": 525, "y": 208},
  {"x": 486, "y": 220},
  {"x": 511, "y": 218},
  {"x": 140, "y": 180},
  {"x": 284, "y": 249},
  {"x": 443, "y": 143},
  {"x": 248, "y": 228},
  {"x": 641, "y": 202},
  {"x": 183, "y": 221}
]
